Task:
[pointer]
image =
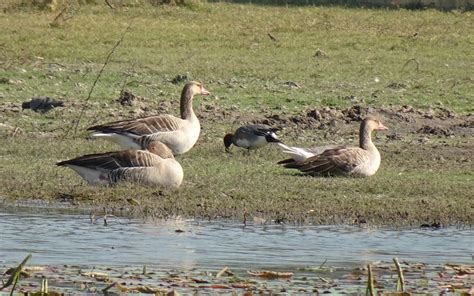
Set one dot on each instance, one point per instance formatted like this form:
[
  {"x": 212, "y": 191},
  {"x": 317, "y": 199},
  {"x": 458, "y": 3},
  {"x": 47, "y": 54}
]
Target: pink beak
[
  {"x": 382, "y": 127},
  {"x": 204, "y": 91}
]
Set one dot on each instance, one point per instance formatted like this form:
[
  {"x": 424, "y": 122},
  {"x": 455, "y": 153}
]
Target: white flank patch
[
  {"x": 124, "y": 141},
  {"x": 90, "y": 175}
]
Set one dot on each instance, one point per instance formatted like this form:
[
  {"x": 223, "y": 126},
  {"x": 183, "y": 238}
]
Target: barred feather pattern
[
  {"x": 156, "y": 167},
  {"x": 134, "y": 175},
  {"x": 360, "y": 161},
  {"x": 179, "y": 134}
]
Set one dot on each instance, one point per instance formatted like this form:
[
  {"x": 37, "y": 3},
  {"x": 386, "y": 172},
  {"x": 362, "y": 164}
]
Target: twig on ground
[
  {"x": 107, "y": 60},
  {"x": 412, "y": 60},
  {"x": 127, "y": 76},
  {"x": 59, "y": 14},
  {"x": 109, "y": 4}
]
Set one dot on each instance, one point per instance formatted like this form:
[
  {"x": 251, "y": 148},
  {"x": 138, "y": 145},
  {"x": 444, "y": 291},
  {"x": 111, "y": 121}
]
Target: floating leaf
[
  {"x": 200, "y": 281},
  {"x": 100, "y": 276},
  {"x": 461, "y": 269},
  {"x": 268, "y": 274},
  {"x": 142, "y": 289},
  {"x": 241, "y": 286}
]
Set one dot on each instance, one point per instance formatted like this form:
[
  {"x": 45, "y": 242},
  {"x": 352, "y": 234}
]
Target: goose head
[
  {"x": 371, "y": 123},
  {"x": 160, "y": 149},
  {"x": 190, "y": 90},
  {"x": 368, "y": 125},
  {"x": 194, "y": 88}
]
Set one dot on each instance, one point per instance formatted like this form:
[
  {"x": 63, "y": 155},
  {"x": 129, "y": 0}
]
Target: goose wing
[
  {"x": 141, "y": 126},
  {"x": 340, "y": 161},
  {"x": 114, "y": 160}
]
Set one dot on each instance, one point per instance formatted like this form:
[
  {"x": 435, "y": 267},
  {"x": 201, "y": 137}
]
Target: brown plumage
[
  {"x": 179, "y": 134},
  {"x": 155, "y": 166},
  {"x": 355, "y": 161}
]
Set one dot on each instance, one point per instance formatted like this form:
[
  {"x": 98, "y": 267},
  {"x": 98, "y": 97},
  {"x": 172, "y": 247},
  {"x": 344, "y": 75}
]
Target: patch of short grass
[
  {"x": 371, "y": 56},
  {"x": 222, "y": 185}
]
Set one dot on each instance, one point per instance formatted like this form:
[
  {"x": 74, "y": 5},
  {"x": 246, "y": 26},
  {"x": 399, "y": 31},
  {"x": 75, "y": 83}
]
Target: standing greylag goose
[
  {"x": 251, "y": 136},
  {"x": 155, "y": 166},
  {"x": 179, "y": 134},
  {"x": 362, "y": 161}
]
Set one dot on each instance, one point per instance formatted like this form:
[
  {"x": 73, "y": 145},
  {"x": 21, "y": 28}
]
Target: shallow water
[{"x": 55, "y": 238}]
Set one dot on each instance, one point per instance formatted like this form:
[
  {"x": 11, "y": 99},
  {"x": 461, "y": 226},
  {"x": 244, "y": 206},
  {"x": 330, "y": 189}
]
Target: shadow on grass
[
  {"x": 446, "y": 5},
  {"x": 383, "y": 4}
]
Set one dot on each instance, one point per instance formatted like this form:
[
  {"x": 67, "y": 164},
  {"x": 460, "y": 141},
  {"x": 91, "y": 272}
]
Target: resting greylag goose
[
  {"x": 362, "y": 161},
  {"x": 179, "y": 134},
  {"x": 251, "y": 136},
  {"x": 155, "y": 166}
]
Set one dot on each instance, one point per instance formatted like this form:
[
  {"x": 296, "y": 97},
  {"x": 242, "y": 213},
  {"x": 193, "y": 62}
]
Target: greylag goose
[
  {"x": 251, "y": 136},
  {"x": 362, "y": 161},
  {"x": 155, "y": 166},
  {"x": 179, "y": 134}
]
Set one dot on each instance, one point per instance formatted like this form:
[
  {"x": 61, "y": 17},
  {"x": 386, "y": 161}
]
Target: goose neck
[
  {"x": 365, "y": 138},
  {"x": 186, "y": 104}
]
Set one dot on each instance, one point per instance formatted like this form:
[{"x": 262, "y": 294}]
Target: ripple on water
[{"x": 72, "y": 239}]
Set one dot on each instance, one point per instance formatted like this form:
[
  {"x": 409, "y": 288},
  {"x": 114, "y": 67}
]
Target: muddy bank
[{"x": 401, "y": 120}]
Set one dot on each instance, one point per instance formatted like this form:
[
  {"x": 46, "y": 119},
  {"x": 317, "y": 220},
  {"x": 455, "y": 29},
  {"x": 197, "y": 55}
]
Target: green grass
[
  {"x": 372, "y": 55},
  {"x": 229, "y": 43},
  {"x": 221, "y": 185}
]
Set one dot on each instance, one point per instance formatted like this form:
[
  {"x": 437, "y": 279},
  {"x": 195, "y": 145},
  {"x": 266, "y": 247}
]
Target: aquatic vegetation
[
  {"x": 15, "y": 275},
  {"x": 420, "y": 278}
]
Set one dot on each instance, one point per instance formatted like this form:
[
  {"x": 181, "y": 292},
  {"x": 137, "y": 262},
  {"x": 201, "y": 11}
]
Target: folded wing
[
  {"x": 141, "y": 126},
  {"x": 339, "y": 161},
  {"x": 114, "y": 160}
]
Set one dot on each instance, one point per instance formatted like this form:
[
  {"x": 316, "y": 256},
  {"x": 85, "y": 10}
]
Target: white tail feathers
[{"x": 298, "y": 154}]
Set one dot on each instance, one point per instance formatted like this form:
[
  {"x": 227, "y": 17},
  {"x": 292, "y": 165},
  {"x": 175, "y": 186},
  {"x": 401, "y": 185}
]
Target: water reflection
[{"x": 72, "y": 239}]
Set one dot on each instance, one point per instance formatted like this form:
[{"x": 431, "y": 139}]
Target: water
[{"x": 55, "y": 238}]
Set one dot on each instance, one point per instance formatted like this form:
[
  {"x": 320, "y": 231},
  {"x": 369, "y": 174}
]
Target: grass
[
  {"x": 377, "y": 58},
  {"x": 229, "y": 43}
]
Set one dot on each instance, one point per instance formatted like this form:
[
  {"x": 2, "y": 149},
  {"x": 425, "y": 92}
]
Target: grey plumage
[
  {"x": 42, "y": 104},
  {"x": 251, "y": 136}
]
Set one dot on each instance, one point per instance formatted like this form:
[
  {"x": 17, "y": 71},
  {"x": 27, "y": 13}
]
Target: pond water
[{"x": 55, "y": 238}]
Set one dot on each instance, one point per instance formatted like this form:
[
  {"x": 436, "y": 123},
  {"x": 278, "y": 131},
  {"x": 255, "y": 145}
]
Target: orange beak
[
  {"x": 382, "y": 127},
  {"x": 204, "y": 91}
]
